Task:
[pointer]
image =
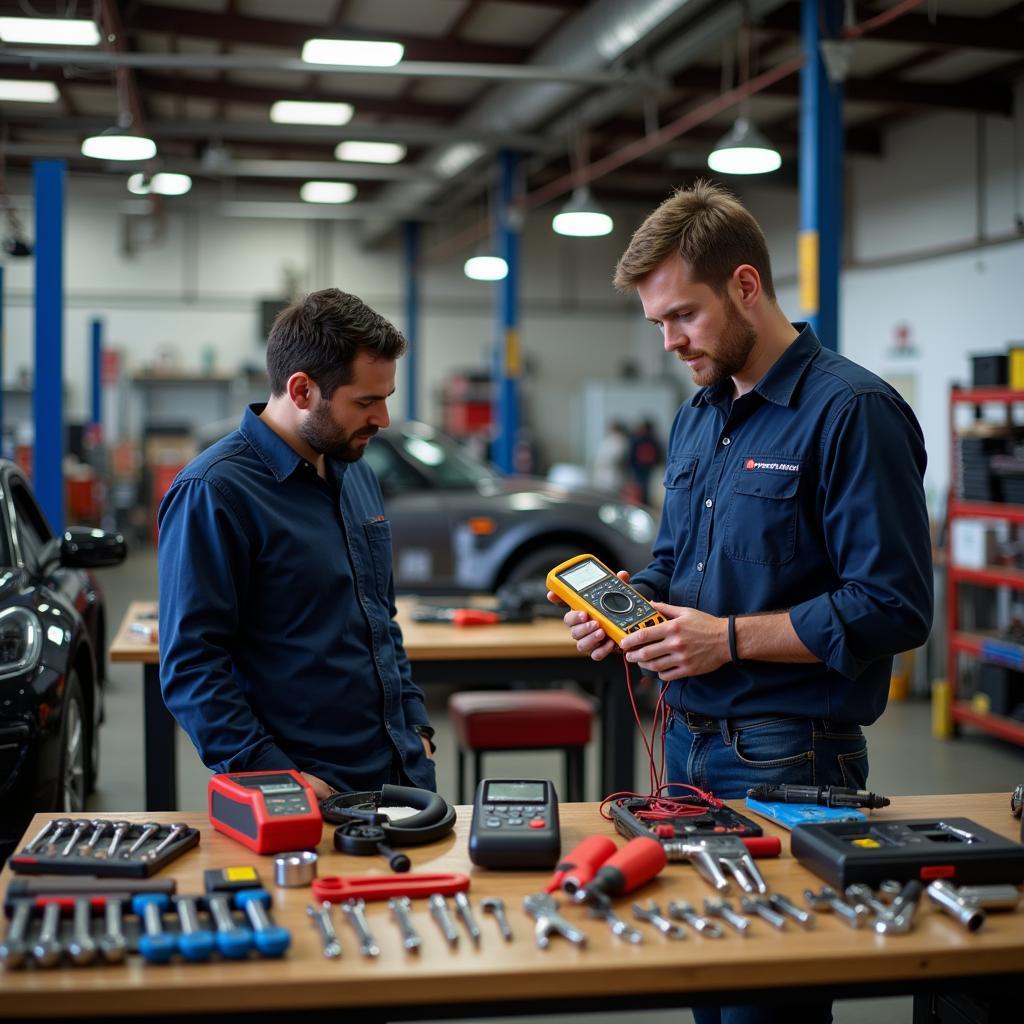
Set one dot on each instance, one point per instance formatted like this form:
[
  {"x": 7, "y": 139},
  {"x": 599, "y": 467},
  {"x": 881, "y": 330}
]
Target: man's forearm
[{"x": 770, "y": 637}]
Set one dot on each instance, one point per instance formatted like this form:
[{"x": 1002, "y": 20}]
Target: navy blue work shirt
[
  {"x": 278, "y": 645},
  {"x": 804, "y": 495}
]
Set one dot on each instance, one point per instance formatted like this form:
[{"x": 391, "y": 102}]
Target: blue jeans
[{"x": 726, "y": 757}]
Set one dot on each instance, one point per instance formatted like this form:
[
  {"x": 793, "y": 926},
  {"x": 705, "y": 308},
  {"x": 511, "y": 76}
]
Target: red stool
[{"x": 486, "y": 720}]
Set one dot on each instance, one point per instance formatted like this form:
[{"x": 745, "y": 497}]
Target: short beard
[
  {"x": 326, "y": 438},
  {"x": 733, "y": 350}
]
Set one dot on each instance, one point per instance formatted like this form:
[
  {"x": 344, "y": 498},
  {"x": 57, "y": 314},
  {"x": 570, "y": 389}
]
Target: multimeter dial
[{"x": 617, "y": 602}]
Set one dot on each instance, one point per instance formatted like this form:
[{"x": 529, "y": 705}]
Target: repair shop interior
[{"x": 512, "y": 508}]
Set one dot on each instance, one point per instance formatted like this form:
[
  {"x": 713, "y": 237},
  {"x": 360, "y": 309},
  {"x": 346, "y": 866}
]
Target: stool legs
[
  {"x": 460, "y": 775},
  {"x": 573, "y": 777},
  {"x": 574, "y": 773}
]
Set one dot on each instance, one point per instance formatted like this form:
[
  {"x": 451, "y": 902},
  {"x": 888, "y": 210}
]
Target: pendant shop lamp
[
  {"x": 117, "y": 143},
  {"x": 582, "y": 216},
  {"x": 744, "y": 150}
]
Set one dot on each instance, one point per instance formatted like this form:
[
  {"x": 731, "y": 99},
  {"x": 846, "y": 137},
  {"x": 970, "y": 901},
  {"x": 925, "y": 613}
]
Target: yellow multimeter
[{"x": 586, "y": 584}]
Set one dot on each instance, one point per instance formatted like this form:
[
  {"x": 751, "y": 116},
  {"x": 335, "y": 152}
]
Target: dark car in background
[
  {"x": 52, "y": 657},
  {"x": 458, "y": 525}
]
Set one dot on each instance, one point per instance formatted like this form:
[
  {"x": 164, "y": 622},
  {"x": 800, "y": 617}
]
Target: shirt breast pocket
[
  {"x": 378, "y": 540},
  {"x": 679, "y": 474},
  {"x": 762, "y": 521}
]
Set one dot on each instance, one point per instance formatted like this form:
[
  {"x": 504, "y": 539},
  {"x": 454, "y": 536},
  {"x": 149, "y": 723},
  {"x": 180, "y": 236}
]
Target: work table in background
[{"x": 502, "y": 978}]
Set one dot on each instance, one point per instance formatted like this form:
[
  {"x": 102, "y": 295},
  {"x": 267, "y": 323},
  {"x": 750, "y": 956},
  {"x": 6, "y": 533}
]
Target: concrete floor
[{"x": 905, "y": 759}]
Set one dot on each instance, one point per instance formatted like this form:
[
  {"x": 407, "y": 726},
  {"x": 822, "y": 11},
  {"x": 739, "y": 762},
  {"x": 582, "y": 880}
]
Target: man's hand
[
  {"x": 590, "y": 638},
  {"x": 320, "y": 788},
  {"x": 689, "y": 643},
  {"x": 426, "y": 747}
]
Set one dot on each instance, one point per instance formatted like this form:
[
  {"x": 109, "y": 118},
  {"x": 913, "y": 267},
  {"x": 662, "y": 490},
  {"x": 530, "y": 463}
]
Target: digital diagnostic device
[
  {"x": 269, "y": 812},
  {"x": 515, "y": 824},
  {"x": 586, "y": 584}
]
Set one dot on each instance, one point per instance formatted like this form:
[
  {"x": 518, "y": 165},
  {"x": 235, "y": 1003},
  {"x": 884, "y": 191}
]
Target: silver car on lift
[{"x": 458, "y": 525}]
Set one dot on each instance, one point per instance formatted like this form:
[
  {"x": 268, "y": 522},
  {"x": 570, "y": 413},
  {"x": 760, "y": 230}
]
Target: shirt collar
[
  {"x": 779, "y": 383},
  {"x": 281, "y": 458}
]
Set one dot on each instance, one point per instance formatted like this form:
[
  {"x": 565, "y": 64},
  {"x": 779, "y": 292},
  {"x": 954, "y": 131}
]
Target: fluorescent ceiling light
[
  {"x": 486, "y": 268},
  {"x": 457, "y": 158},
  {"x": 304, "y": 112},
  {"x": 744, "y": 150},
  {"x": 582, "y": 216},
  {"x": 118, "y": 146},
  {"x": 358, "y": 52},
  {"x": 327, "y": 192},
  {"x": 28, "y": 92},
  {"x": 55, "y": 31},
  {"x": 162, "y": 184},
  {"x": 370, "y": 152}
]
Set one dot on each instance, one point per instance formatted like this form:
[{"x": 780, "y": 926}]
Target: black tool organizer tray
[
  {"x": 705, "y": 820},
  {"x": 956, "y": 849},
  {"x": 48, "y": 858}
]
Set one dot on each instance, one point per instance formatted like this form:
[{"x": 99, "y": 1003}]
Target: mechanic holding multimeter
[
  {"x": 793, "y": 558},
  {"x": 278, "y": 644}
]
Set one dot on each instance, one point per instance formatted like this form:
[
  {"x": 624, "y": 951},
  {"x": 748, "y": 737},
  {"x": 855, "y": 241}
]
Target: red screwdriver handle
[
  {"x": 634, "y": 864},
  {"x": 580, "y": 864}
]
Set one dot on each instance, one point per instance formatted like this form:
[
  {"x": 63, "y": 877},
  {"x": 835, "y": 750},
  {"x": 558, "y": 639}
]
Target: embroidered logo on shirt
[{"x": 778, "y": 467}]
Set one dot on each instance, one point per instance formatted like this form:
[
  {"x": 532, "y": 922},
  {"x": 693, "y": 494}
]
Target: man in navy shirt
[
  {"x": 793, "y": 558},
  {"x": 278, "y": 645}
]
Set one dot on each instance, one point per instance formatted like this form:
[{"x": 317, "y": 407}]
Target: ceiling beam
[{"x": 237, "y": 28}]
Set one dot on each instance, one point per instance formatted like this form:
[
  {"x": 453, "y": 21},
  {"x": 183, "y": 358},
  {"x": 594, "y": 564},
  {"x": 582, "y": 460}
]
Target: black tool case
[{"x": 956, "y": 849}]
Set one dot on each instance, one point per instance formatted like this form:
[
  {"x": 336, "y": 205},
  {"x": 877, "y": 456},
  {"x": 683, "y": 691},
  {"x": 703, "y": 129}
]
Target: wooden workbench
[{"x": 519, "y": 977}]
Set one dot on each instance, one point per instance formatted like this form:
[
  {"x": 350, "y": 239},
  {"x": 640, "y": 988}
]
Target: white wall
[{"x": 913, "y": 220}]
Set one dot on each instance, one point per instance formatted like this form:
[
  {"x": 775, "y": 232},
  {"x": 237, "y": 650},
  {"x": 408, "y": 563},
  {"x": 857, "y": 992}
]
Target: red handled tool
[
  {"x": 630, "y": 867},
  {"x": 338, "y": 888},
  {"x": 580, "y": 865}
]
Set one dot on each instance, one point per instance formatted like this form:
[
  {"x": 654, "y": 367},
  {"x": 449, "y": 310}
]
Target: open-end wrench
[
  {"x": 354, "y": 911},
  {"x": 443, "y": 918},
  {"x": 112, "y": 944},
  {"x": 99, "y": 826},
  {"x": 321, "y": 917},
  {"x": 14, "y": 947},
  {"x": 544, "y": 910},
  {"x": 60, "y": 826},
  {"x": 784, "y": 905},
  {"x": 39, "y": 836},
  {"x": 401, "y": 911},
  {"x": 120, "y": 827},
  {"x": 176, "y": 830},
  {"x": 147, "y": 830},
  {"x": 651, "y": 913},
  {"x": 760, "y": 906},
  {"x": 683, "y": 911},
  {"x": 47, "y": 949},
  {"x": 826, "y": 898},
  {"x": 81, "y": 947},
  {"x": 723, "y": 909},
  {"x": 602, "y": 909},
  {"x": 79, "y": 830},
  {"x": 496, "y": 906},
  {"x": 465, "y": 910}
]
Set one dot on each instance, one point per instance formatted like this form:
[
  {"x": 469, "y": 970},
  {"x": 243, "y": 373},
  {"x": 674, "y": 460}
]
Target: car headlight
[
  {"x": 636, "y": 523},
  {"x": 21, "y": 641}
]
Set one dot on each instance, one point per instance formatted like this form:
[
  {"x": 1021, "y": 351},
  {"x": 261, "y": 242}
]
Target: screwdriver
[
  {"x": 634, "y": 864},
  {"x": 825, "y": 796},
  {"x": 580, "y": 865}
]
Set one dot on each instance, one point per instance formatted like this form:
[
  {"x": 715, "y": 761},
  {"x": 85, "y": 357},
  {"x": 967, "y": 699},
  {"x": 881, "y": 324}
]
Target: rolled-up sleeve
[
  {"x": 875, "y": 527},
  {"x": 203, "y": 564}
]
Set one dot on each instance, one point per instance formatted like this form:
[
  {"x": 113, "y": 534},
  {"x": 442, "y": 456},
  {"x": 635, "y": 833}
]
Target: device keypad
[{"x": 501, "y": 816}]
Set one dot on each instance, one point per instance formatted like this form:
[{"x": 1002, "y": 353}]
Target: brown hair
[
  {"x": 321, "y": 334},
  {"x": 709, "y": 228}
]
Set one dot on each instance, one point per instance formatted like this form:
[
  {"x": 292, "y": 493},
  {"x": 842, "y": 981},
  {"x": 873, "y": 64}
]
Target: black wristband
[{"x": 733, "y": 656}]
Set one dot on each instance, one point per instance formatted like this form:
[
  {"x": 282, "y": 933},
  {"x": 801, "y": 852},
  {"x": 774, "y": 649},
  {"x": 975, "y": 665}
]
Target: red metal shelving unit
[{"x": 961, "y": 642}]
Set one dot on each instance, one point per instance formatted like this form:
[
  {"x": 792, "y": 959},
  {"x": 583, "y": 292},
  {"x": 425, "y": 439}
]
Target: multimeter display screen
[
  {"x": 515, "y": 792},
  {"x": 269, "y": 785},
  {"x": 582, "y": 576}
]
